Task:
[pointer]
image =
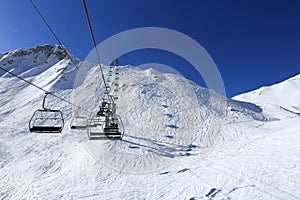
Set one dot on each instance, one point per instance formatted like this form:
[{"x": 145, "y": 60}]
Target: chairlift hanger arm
[{"x": 44, "y": 99}]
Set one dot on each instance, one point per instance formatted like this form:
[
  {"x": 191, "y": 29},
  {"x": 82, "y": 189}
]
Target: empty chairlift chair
[
  {"x": 101, "y": 127},
  {"x": 79, "y": 122},
  {"x": 112, "y": 131},
  {"x": 96, "y": 124},
  {"x": 46, "y": 120},
  {"x": 96, "y": 127}
]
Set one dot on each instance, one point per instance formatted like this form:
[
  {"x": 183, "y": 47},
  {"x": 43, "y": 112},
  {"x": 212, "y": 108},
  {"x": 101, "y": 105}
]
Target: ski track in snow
[{"x": 180, "y": 141}]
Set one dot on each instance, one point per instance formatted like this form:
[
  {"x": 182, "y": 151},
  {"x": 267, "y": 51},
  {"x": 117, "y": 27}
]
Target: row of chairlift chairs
[{"x": 104, "y": 125}]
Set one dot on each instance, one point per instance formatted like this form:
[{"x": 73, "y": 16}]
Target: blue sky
[{"x": 253, "y": 43}]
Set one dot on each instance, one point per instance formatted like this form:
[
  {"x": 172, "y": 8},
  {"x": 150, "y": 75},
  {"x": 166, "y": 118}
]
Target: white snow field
[
  {"x": 181, "y": 141},
  {"x": 285, "y": 94}
]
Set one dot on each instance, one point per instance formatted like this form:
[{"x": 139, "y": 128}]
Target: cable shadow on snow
[{"x": 161, "y": 148}]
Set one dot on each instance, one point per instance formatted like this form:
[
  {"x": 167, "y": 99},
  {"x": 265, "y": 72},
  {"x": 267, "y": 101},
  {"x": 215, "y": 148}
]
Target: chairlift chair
[
  {"x": 112, "y": 131},
  {"x": 79, "y": 122},
  {"x": 116, "y": 129},
  {"x": 97, "y": 123},
  {"x": 96, "y": 127},
  {"x": 46, "y": 120},
  {"x": 101, "y": 127}
]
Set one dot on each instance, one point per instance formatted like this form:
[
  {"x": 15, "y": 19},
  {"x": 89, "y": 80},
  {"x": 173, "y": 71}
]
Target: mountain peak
[
  {"x": 47, "y": 50},
  {"x": 32, "y": 61}
]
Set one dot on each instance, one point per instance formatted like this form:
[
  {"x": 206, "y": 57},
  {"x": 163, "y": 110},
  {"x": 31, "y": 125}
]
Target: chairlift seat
[
  {"x": 46, "y": 121},
  {"x": 78, "y": 127},
  {"x": 45, "y": 129}
]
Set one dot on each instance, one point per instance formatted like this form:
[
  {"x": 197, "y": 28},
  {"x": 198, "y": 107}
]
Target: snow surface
[
  {"x": 181, "y": 141},
  {"x": 285, "y": 94}
]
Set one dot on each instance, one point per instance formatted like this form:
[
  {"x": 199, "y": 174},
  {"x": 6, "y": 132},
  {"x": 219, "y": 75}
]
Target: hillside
[
  {"x": 181, "y": 141},
  {"x": 283, "y": 97}
]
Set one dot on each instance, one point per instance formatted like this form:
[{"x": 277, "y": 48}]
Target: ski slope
[
  {"x": 181, "y": 141},
  {"x": 284, "y": 94}
]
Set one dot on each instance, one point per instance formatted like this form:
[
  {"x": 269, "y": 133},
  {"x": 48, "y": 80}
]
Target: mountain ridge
[{"x": 284, "y": 94}]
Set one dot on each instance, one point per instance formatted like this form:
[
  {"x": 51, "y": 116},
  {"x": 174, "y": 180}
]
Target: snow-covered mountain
[
  {"x": 181, "y": 141},
  {"x": 279, "y": 100}
]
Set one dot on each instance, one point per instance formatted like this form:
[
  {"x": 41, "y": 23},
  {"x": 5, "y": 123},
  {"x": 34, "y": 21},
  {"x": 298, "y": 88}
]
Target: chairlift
[
  {"x": 115, "y": 61},
  {"x": 96, "y": 127},
  {"x": 112, "y": 131},
  {"x": 116, "y": 129},
  {"x": 103, "y": 127},
  {"x": 46, "y": 120},
  {"x": 79, "y": 122}
]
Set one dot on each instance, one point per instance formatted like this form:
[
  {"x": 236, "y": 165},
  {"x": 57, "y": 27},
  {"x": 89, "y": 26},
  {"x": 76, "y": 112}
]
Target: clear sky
[{"x": 253, "y": 43}]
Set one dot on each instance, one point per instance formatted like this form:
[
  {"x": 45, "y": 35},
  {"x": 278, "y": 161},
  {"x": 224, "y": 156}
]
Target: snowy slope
[
  {"x": 285, "y": 94},
  {"x": 181, "y": 141}
]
